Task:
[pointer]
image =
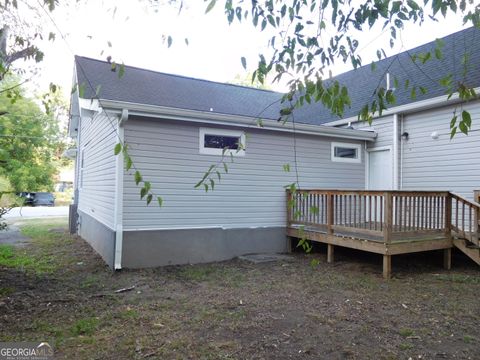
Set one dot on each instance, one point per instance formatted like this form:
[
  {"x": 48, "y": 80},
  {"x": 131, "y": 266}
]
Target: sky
[{"x": 135, "y": 34}]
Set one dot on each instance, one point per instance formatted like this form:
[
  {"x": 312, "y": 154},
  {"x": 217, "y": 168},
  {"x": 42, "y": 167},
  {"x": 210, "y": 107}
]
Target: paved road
[{"x": 37, "y": 212}]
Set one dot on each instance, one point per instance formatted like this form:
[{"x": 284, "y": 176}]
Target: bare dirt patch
[{"x": 240, "y": 310}]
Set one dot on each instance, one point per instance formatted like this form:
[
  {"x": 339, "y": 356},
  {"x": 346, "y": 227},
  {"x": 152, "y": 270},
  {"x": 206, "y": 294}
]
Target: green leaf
[
  {"x": 147, "y": 185},
  {"x": 286, "y": 167},
  {"x": 271, "y": 20},
  {"x": 453, "y": 122},
  {"x": 463, "y": 127},
  {"x": 453, "y": 132},
  {"x": 210, "y": 6},
  {"x": 138, "y": 177},
  {"x": 143, "y": 192},
  {"x": 466, "y": 118},
  {"x": 160, "y": 201},
  {"x": 212, "y": 184},
  {"x": 128, "y": 162},
  {"x": 244, "y": 62},
  {"x": 121, "y": 71},
  {"x": 225, "y": 167},
  {"x": 117, "y": 149},
  {"x": 81, "y": 90},
  {"x": 413, "y": 93}
]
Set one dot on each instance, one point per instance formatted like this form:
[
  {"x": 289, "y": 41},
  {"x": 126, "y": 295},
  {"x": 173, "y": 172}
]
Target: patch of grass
[
  {"x": 10, "y": 257},
  {"x": 406, "y": 332},
  {"x": 467, "y": 339},
  {"x": 405, "y": 346},
  {"x": 22, "y": 259},
  {"x": 50, "y": 330},
  {"x": 5, "y": 291},
  {"x": 46, "y": 231},
  {"x": 129, "y": 314},
  {"x": 199, "y": 273},
  {"x": 86, "y": 326},
  {"x": 43, "y": 255},
  {"x": 89, "y": 282}
]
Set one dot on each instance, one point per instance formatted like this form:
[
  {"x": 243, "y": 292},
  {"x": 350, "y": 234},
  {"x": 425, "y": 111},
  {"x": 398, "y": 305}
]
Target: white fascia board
[
  {"x": 408, "y": 108},
  {"x": 206, "y": 117},
  {"x": 74, "y": 114},
  {"x": 89, "y": 104}
]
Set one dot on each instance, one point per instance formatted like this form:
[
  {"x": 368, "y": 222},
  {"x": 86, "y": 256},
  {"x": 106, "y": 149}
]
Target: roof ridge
[{"x": 181, "y": 76}]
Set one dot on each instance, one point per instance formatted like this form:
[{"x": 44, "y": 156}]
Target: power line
[{"x": 96, "y": 97}]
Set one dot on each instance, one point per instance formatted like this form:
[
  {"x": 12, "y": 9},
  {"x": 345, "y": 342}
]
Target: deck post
[
  {"x": 330, "y": 253},
  {"x": 330, "y": 213},
  {"x": 447, "y": 259},
  {"x": 330, "y": 221},
  {"x": 476, "y": 196},
  {"x": 289, "y": 208},
  {"x": 448, "y": 216},
  {"x": 387, "y": 266},
  {"x": 388, "y": 225}
]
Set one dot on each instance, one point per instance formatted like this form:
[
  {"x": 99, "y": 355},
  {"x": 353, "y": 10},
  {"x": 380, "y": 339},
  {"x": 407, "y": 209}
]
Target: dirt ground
[{"x": 240, "y": 310}]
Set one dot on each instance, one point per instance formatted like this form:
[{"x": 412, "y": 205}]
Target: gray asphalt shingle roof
[{"x": 156, "y": 88}]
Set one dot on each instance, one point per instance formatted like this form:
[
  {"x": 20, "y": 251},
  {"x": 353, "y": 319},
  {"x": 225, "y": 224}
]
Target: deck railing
[
  {"x": 385, "y": 216},
  {"x": 465, "y": 218}
]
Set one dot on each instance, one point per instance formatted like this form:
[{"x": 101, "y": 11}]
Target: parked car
[
  {"x": 27, "y": 198},
  {"x": 43, "y": 199}
]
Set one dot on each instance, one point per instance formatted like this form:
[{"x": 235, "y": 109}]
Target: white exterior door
[{"x": 379, "y": 170}]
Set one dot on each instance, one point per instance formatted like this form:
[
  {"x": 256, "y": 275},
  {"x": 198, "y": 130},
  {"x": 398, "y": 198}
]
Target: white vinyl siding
[
  {"x": 384, "y": 129},
  {"x": 441, "y": 164},
  {"x": 252, "y": 194},
  {"x": 97, "y": 192}
]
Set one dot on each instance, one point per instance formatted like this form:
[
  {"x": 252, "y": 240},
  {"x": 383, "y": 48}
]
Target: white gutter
[
  {"x": 118, "y": 210},
  {"x": 409, "y": 108},
  {"x": 207, "y": 117}
]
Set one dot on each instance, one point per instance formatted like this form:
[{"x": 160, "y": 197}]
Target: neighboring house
[
  {"x": 176, "y": 127},
  {"x": 64, "y": 180}
]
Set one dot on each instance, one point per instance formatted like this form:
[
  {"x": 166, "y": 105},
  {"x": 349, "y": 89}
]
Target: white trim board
[
  {"x": 416, "y": 106},
  {"x": 357, "y": 147},
  {"x": 206, "y": 117}
]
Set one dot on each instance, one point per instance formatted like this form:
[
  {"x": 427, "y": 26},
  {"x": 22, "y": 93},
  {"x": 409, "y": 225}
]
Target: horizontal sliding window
[
  {"x": 343, "y": 152},
  {"x": 222, "y": 142}
]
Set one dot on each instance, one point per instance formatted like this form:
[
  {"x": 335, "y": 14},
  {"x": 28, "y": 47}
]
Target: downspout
[
  {"x": 402, "y": 149},
  {"x": 396, "y": 140},
  {"x": 118, "y": 214}
]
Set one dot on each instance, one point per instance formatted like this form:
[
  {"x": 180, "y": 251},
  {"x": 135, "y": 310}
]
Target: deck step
[
  {"x": 472, "y": 245},
  {"x": 473, "y": 254}
]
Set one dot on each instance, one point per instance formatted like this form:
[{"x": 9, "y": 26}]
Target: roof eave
[{"x": 208, "y": 117}]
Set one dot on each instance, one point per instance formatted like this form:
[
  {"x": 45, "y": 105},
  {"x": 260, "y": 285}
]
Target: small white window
[
  {"x": 222, "y": 142},
  {"x": 344, "y": 152}
]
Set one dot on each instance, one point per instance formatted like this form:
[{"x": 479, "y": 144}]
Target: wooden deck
[{"x": 385, "y": 222}]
